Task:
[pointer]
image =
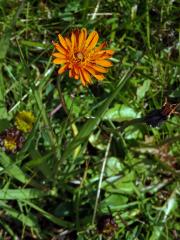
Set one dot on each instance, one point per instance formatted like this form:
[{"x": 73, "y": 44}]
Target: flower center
[
  {"x": 24, "y": 121},
  {"x": 10, "y": 144},
  {"x": 79, "y": 56}
]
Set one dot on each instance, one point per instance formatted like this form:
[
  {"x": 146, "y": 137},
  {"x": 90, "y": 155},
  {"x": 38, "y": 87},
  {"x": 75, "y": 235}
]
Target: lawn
[{"x": 89, "y": 120}]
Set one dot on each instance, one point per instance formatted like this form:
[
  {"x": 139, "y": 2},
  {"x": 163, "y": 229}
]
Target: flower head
[
  {"x": 11, "y": 140},
  {"x": 81, "y": 57},
  {"x": 24, "y": 121}
]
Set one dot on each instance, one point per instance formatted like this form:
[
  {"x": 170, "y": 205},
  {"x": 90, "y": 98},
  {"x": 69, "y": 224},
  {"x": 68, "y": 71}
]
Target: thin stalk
[
  {"x": 45, "y": 118},
  {"x": 148, "y": 24},
  {"x": 95, "y": 10},
  {"x": 101, "y": 178}
]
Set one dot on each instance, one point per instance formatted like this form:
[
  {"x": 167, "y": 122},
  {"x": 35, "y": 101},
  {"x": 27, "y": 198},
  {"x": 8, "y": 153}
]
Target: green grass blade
[
  {"x": 49, "y": 216},
  {"x": 28, "y": 221},
  {"x": 12, "y": 169},
  {"x": 4, "y": 43},
  {"x": 21, "y": 194}
]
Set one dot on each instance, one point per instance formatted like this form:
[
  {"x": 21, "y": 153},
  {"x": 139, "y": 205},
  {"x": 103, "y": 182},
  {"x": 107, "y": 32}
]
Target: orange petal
[
  {"x": 62, "y": 69},
  {"x": 84, "y": 30},
  {"x": 99, "y": 77},
  {"x": 70, "y": 73},
  {"x": 91, "y": 70},
  {"x": 82, "y": 38},
  {"x": 76, "y": 76},
  {"x": 104, "y": 53},
  {"x": 104, "y": 63},
  {"x": 92, "y": 40},
  {"x": 102, "y": 45},
  {"x": 82, "y": 79},
  {"x": 85, "y": 77},
  {"x": 97, "y": 68},
  {"x": 59, "y": 60},
  {"x": 62, "y": 41},
  {"x": 73, "y": 40},
  {"x": 94, "y": 74},
  {"x": 110, "y": 52},
  {"x": 59, "y": 48},
  {"x": 68, "y": 43},
  {"x": 76, "y": 70},
  {"x": 58, "y": 55}
]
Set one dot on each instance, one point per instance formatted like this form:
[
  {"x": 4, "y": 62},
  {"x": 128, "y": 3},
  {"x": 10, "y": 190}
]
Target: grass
[{"x": 90, "y": 156}]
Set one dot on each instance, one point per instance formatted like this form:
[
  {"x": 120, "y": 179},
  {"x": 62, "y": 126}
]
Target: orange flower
[{"x": 81, "y": 57}]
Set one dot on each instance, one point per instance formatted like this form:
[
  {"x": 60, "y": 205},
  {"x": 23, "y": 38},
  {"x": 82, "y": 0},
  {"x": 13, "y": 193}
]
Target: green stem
[{"x": 148, "y": 24}]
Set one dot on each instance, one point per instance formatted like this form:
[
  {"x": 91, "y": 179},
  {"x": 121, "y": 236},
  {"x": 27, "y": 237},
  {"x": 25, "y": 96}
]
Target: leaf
[
  {"x": 4, "y": 123},
  {"x": 120, "y": 113},
  {"x": 49, "y": 216},
  {"x": 175, "y": 93},
  {"x": 113, "y": 201},
  {"x": 8, "y": 229},
  {"x": 4, "y": 43},
  {"x": 12, "y": 169},
  {"x": 97, "y": 141},
  {"x": 124, "y": 185},
  {"x": 157, "y": 230},
  {"x": 37, "y": 45},
  {"x": 29, "y": 220},
  {"x": 133, "y": 132},
  {"x": 26, "y": 220},
  {"x": 72, "y": 102},
  {"x": 141, "y": 91},
  {"x": 21, "y": 194},
  {"x": 113, "y": 166},
  {"x": 41, "y": 163}
]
